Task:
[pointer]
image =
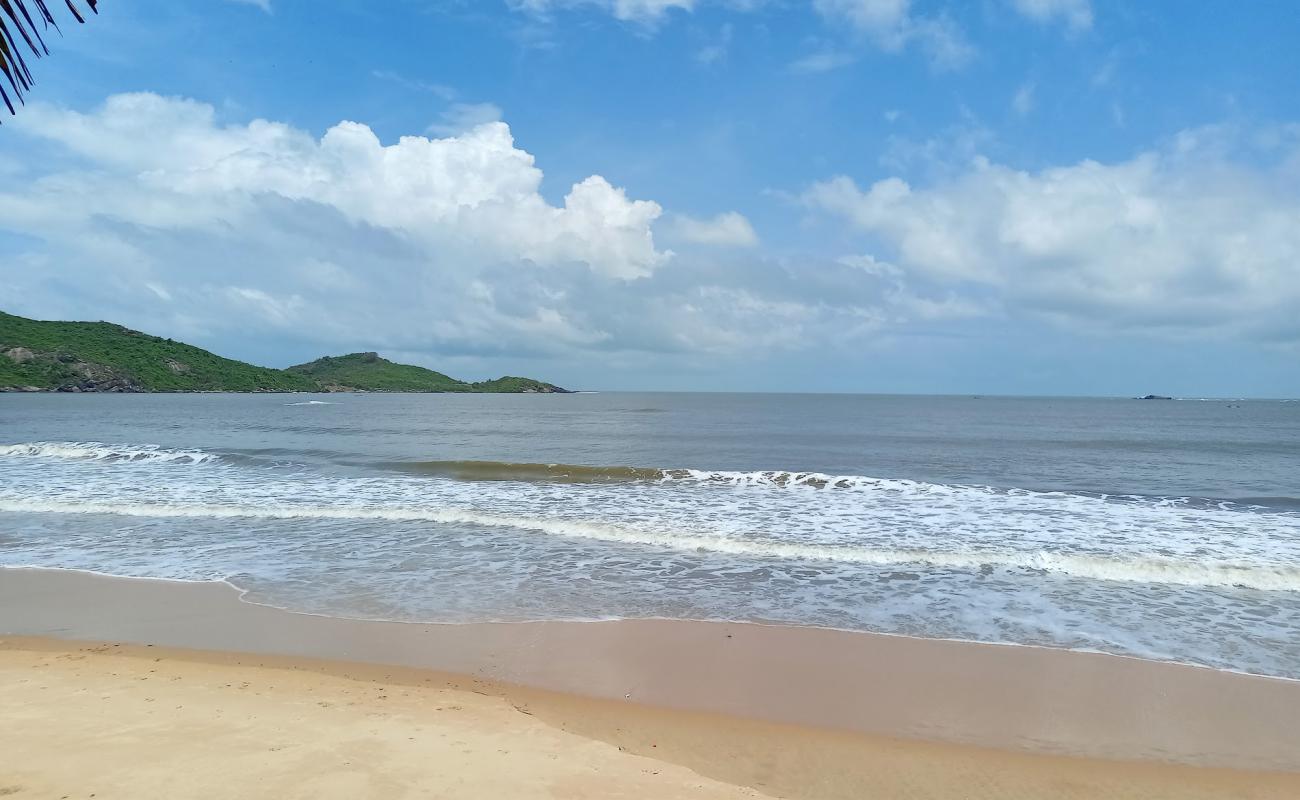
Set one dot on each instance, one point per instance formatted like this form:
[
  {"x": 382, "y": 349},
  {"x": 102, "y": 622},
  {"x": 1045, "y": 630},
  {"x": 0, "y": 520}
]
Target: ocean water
[{"x": 1161, "y": 529}]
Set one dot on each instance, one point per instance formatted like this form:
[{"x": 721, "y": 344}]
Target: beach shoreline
[
  {"x": 1011, "y": 699},
  {"x": 155, "y": 721}
]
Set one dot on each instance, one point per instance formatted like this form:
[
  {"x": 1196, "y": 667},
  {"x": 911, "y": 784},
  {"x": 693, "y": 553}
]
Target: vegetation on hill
[
  {"x": 369, "y": 372},
  {"x": 513, "y": 385},
  {"x": 103, "y": 357}
]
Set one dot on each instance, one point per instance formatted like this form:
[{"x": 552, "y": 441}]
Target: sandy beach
[
  {"x": 129, "y": 721},
  {"x": 112, "y": 722},
  {"x": 171, "y": 689}
]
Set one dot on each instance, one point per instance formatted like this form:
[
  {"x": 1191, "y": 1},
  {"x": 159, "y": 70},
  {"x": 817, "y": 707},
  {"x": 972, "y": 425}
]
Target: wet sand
[{"x": 786, "y": 712}]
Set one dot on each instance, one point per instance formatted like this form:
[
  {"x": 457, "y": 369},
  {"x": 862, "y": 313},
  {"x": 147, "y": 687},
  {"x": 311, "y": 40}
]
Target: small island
[{"x": 41, "y": 356}]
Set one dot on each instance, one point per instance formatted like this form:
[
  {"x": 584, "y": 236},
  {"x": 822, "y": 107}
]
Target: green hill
[
  {"x": 103, "y": 357},
  {"x": 368, "y": 372},
  {"x": 513, "y": 385}
]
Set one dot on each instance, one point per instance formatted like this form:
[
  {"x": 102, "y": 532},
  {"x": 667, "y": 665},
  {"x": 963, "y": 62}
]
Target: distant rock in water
[
  {"x": 1155, "y": 397},
  {"x": 38, "y": 356}
]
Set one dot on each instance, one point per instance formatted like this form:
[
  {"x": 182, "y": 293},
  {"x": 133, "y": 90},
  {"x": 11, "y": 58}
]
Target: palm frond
[{"x": 16, "y": 17}]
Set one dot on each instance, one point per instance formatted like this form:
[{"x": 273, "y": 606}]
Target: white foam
[
  {"x": 98, "y": 451},
  {"x": 1157, "y": 570},
  {"x": 784, "y": 479},
  {"x": 312, "y": 403}
]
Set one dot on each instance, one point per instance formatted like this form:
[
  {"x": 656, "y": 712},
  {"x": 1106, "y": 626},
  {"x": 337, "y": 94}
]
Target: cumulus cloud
[
  {"x": 1076, "y": 14},
  {"x": 151, "y": 211},
  {"x": 1202, "y": 234},
  {"x": 730, "y": 229},
  {"x": 476, "y": 189}
]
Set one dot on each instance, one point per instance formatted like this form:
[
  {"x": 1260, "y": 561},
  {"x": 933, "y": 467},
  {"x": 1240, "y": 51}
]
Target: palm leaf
[{"x": 16, "y": 17}]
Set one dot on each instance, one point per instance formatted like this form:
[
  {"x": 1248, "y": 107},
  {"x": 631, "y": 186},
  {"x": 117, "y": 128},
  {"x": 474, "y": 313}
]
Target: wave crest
[
  {"x": 98, "y": 451},
  {"x": 1147, "y": 569},
  {"x": 581, "y": 473}
]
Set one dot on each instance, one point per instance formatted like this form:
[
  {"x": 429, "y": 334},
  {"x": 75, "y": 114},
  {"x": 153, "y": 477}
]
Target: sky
[{"x": 1048, "y": 197}]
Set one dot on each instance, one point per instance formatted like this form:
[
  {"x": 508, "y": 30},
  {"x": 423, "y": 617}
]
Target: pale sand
[
  {"x": 652, "y": 688},
  {"x": 129, "y": 721},
  {"x": 93, "y": 723}
]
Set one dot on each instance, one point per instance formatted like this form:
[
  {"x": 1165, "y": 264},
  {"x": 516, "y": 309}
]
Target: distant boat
[{"x": 1155, "y": 397}]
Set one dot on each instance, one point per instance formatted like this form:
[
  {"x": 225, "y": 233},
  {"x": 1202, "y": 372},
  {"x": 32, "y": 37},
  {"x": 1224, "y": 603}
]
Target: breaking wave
[
  {"x": 578, "y": 473},
  {"x": 98, "y": 451},
  {"x": 1147, "y": 569}
]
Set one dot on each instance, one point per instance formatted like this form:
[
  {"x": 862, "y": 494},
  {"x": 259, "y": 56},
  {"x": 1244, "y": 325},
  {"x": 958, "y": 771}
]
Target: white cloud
[
  {"x": 891, "y": 26},
  {"x": 887, "y": 24},
  {"x": 641, "y": 11},
  {"x": 1077, "y": 14},
  {"x": 822, "y": 61},
  {"x": 730, "y": 229},
  {"x": 180, "y": 168},
  {"x": 460, "y": 118},
  {"x": 948, "y": 149},
  {"x": 439, "y": 89},
  {"x": 907, "y": 304},
  {"x": 1022, "y": 102},
  {"x": 1200, "y": 235},
  {"x": 280, "y": 312},
  {"x": 151, "y": 212},
  {"x": 717, "y": 50},
  {"x": 265, "y": 5},
  {"x": 886, "y": 19}
]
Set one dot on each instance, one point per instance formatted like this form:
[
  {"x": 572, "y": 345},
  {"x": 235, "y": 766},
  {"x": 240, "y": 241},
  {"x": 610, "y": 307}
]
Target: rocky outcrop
[
  {"x": 87, "y": 377},
  {"x": 19, "y": 355},
  {"x": 70, "y": 374}
]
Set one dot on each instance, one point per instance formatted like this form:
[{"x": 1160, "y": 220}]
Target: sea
[{"x": 1164, "y": 529}]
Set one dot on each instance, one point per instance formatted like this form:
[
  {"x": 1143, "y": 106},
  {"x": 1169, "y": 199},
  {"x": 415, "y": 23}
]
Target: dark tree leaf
[
  {"x": 32, "y": 25},
  {"x": 8, "y": 7},
  {"x": 16, "y": 16}
]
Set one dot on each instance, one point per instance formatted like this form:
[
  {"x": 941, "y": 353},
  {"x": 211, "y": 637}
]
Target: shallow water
[{"x": 1163, "y": 529}]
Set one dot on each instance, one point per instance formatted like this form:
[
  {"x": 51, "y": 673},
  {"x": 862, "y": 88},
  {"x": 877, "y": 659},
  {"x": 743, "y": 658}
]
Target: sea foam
[
  {"x": 98, "y": 451},
  {"x": 466, "y": 540},
  {"x": 1157, "y": 570}
]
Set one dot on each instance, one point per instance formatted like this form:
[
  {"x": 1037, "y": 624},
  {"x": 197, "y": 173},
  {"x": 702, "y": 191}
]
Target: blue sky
[{"x": 1006, "y": 196}]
